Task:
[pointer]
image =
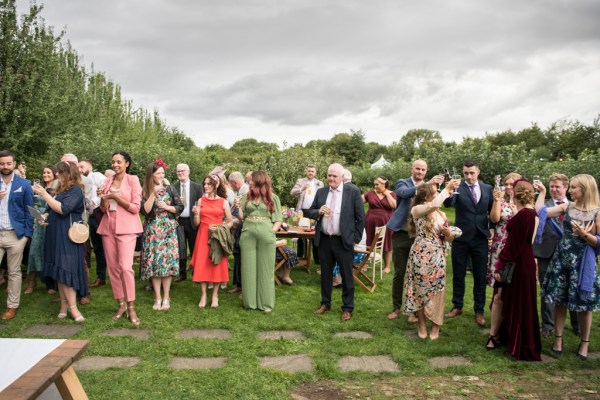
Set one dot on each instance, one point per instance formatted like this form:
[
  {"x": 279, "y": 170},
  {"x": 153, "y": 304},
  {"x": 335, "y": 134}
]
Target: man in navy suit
[
  {"x": 16, "y": 226},
  {"x": 401, "y": 243},
  {"x": 473, "y": 204},
  {"x": 340, "y": 216}
]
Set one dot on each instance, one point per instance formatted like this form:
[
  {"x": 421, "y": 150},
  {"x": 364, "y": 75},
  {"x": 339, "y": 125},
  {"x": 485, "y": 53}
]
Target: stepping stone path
[
  {"x": 277, "y": 335},
  {"x": 354, "y": 335},
  {"x": 411, "y": 333},
  {"x": 548, "y": 359},
  {"x": 197, "y": 363},
  {"x": 141, "y": 334},
  {"x": 295, "y": 363},
  {"x": 367, "y": 363},
  {"x": 594, "y": 355},
  {"x": 204, "y": 334},
  {"x": 55, "y": 330},
  {"x": 97, "y": 363},
  {"x": 445, "y": 362}
]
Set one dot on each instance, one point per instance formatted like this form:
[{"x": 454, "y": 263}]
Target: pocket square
[{"x": 19, "y": 190}]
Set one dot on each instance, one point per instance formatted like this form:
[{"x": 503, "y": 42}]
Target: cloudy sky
[{"x": 299, "y": 70}]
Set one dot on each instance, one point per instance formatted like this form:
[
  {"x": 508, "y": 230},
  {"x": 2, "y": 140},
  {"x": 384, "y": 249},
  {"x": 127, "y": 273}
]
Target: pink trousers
[{"x": 119, "y": 250}]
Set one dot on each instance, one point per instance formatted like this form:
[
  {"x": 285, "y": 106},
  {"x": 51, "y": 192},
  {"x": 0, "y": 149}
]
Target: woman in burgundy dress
[
  {"x": 520, "y": 327},
  {"x": 382, "y": 203}
]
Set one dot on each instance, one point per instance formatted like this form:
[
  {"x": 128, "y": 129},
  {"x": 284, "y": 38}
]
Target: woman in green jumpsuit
[{"x": 261, "y": 211}]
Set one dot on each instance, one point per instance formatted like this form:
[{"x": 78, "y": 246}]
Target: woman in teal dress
[
  {"x": 562, "y": 285},
  {"x": 261, "y": 210},
  {"x": 160, "y": 259},
  {"x": 35, "y": 263}
]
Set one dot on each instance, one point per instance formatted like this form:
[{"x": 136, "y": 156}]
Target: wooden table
[
  {"x": 308, "y": 237},
  {"x": 30, "y": 366}
]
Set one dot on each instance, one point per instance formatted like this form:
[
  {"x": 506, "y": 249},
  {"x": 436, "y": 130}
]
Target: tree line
[{"x": 51, "y": 104}]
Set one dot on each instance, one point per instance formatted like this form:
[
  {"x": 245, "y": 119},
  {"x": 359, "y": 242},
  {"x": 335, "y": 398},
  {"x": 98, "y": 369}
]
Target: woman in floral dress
[
  {"x": 562, "y": 285},
  {"x": 160, "y": 261},
  {"x": 426, "y": 270},
  {"x": 502, "y": 210}
]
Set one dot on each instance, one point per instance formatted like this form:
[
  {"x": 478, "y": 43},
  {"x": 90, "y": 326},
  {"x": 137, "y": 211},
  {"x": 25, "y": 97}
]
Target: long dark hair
[
  {"x": 215, "y": 182},
  {"x": 127, "y": 158},
  {"x": 148, "y": 180},
  {"x": 262, "y": 189},
  {"x": 54, "y": 173}
]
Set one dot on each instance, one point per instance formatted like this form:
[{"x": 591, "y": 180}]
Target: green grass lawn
[{"x": 242, "y": 377}]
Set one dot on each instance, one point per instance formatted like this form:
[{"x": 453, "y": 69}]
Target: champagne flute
[
  {"x": 536, "y": 179},
  {"x": 455, "y": 176},
  {"x": 497, "y": 179}
]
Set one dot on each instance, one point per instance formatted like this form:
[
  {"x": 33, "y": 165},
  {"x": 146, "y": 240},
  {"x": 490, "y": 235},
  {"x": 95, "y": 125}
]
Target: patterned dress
[
  {"x": 560, "y": 283},
  {"x": 426, "y": 271},
  {"x": 160, "y": 257},
  {"x": 499, "y": 241}
]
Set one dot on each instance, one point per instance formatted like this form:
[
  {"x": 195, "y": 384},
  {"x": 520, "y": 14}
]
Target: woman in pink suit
[{"x": 121, "y": 199}]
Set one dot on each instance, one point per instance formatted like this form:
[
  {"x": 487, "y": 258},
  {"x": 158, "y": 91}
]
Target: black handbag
[{"x": 507, "y": 272}]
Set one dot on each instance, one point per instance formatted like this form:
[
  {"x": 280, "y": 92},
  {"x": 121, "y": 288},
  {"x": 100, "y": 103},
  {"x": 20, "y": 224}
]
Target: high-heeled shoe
[
  {"x": 120, "y": 311},
  {"x": 581, "y": 356},
  {"x": 166, "y": 305},
  {"x": 493, "y": 340},
  {"x": 202, "y": 303},
  {"x": 157, "y": 305},
  {"x": 62, "y": 315},
  {"x": 556, "y": 352},
  {"x": 77, "y": 319},
  {"x": 135, "y": 321},
  {"x": 214, "y": 303}
]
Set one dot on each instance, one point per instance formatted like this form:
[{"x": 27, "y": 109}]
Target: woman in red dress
[
  {"x": 520, "y": 327},
  {"x": 382, "y": 203},
  {"x": 210, "y": 211}
]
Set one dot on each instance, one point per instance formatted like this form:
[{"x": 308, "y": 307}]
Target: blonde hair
[
  {"x": 514, "y": 176},
  {"x": 590, "y": 190}
]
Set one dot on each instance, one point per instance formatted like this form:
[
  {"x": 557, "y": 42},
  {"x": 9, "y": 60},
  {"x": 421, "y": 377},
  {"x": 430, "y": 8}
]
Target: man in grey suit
[
  {"x": 401, "y": 242},
  {"x": 340, "y": 216},
  {"x": 559, "y": 183},
  {"x": 305, "y": 190},
  {"x": 473, "y": 204},
  {"x": 189, "y": 192}
]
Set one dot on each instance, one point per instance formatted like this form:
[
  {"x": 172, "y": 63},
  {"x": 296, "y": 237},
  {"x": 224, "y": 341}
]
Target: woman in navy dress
[{"x": 63, "y": 259}]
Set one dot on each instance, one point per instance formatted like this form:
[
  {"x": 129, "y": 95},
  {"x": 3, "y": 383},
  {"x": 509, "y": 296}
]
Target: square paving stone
[
  {"x": 367, "y": 363},
  {"x": 97, "y": 363},
  {"x": 204, "y": 334},
  {"x": 445, "y": 362},
  {"x": 594, "y": 355},
  {"x": 141, "y": 334},
  {"x": 277, "y": 335},
  {"x": 54, "y": 330},
  {"x": 197, "y": 363},
  {"x": 354, "y": 335},
  {"x": 548, "y": 359},
  {"x": 295, "y": 363}
]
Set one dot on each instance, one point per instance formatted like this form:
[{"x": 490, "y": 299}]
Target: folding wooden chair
[
  {"x": 280, "y": 263},
  {"x": 377, "y": 256},
  {"x": 360, "y": 277}
]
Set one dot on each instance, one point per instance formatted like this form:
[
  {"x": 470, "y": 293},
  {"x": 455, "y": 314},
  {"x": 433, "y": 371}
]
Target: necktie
[
  {"x": 183, "y": 195},
  {"x": 473, "y": 193},
  {"x": 561, "y": 218},
  {"x": 331, "y": 212}
]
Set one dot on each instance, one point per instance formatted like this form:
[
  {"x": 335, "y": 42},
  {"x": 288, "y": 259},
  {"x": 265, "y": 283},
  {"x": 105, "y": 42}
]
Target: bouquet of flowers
[{"x": 286, "y": 214}]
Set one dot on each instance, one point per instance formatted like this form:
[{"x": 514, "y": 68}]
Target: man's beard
[{"x": 6, "y": 172}]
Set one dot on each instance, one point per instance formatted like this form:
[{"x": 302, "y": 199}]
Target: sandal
[
  {"x": 558, "y": 353},
  {"x": 494, "y": 341},
  {"x": 166, "y": 305},
  {"x": 120, "y": 311},
  {"x": 130, "y": 312},
  {"x": 581, "y": 356},
  {"x": 77, "y": 319},
  {"x": 60, "y": 314},
  {"x": 157, "y": 305}
]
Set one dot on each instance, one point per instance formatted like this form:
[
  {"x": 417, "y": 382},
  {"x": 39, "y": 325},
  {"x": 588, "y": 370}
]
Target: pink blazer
[{"x": 128, "y": 221}]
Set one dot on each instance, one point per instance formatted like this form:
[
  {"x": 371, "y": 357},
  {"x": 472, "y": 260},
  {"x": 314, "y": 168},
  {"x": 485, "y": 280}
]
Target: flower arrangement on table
[{"x": 286, "y": 214}]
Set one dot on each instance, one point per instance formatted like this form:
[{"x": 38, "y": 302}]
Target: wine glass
[
  {"x": 456, "y": 176},
  {"x": 36, "y": 182},
  {"x": 498, "y": 180},
  {"x": 536, "y": 179}
]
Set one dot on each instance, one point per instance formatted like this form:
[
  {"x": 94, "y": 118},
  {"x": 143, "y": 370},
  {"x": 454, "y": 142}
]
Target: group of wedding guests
[
  {"x": 505, "y": 234},
  {"x": 503, "y": 231}
]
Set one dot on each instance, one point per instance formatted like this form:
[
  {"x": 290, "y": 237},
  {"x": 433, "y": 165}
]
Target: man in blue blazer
[
  {"x": 473, "y": 204},
  {"x": 16, "y": 226},
  {"x": 338, "y": 209},
  {"x": 401, "y": 242}
]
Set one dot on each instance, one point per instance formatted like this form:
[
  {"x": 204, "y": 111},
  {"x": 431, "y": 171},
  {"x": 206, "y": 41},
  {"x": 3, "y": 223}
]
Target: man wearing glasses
[{"x": 189, "y": 192}]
